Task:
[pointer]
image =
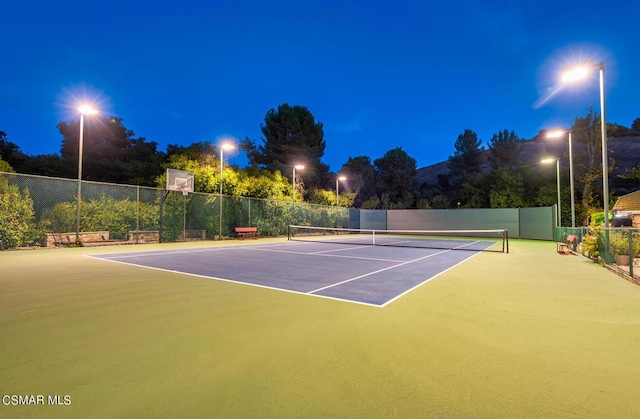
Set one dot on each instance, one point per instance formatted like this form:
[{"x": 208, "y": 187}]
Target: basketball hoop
[{"x": 179, "y": 181}]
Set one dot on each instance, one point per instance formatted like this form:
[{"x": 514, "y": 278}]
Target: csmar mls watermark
[{"x": 36, "y": 400}]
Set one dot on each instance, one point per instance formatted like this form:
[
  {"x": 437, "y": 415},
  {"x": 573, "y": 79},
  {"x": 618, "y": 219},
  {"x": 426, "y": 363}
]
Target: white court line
[
  {"x": 322, "y": 254},
  {"x": 196, "y": 250},
  {"x": 242, "y": 283},
  {"x": 427, "y": 247},
  {"x": 356, "y": 247},
  {"x": 378, "y": 271},
  {"x": 310, "y": 293},
  {"x": 469, "y": 244},
  {"x": 427, "y": 280}
]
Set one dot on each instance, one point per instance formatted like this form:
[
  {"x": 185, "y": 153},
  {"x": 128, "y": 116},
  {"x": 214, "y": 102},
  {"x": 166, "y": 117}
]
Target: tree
[
  {"x": 328, "y": 197},
  {"x": 504, "y": 149},
  {"x": 396, "y": 172},
  {"x": 202, "y": 160},
  {"x": 465, "y": 161},
  {"x": 361, "y": 175},
  {"x": 635, "y": 126},
  {"x": 198, "y": 158},
  {"x": 587, "y": 160},
  {"x": 205, "y": 153},
  {"x": 10, "y": 153},
  {"x": 45, "y": 165},
  {"x": 291, "y": 136},
  {"x": 5, "y": 167},
  {"x": 143, "y": 162},
  {"x": 631, "y": 177},
  {"x": 475, "y": 192},
  {"x": 507, "y": 190},
  {"x": 261, "y": 183},
  {"x": 464, "y": 165},
  {"x": 110, "y": 153}
]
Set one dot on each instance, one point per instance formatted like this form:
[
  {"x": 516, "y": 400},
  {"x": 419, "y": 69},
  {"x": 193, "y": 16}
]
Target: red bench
[
  {"x": 247, "y": 232},
  {"x": 566, "y": 248}
]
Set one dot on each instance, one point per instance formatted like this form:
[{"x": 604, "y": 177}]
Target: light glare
[
  {"x": 556, "y": 133},
  {"x": 576, "y": 73},
  {"x": 87, "y": 110}
]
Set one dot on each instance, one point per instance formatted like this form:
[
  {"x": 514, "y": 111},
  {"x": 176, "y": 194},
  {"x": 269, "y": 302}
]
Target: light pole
[
  {"x": 84, "y": 110},
  {"x": 557, "y": 160},
  {"x": 577, "y": 73},
  {"x": 293, "y": 179},
  {"x": 557, "y": 134},
  {"x": 223, "y": 146},
  {"x": 338, "y": 179}
]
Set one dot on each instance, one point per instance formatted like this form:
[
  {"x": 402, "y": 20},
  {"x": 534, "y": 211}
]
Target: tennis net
[{"x": 474, "y": 240}]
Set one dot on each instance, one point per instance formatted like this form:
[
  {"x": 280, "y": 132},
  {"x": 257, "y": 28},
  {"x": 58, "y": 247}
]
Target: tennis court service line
[
  {"x": 152, "y": 253},
  {"x": 323, "y": 254},
  {"x": 378, "y": 271},
  {"x": 395, "y": 243},
  {"x": 470, "y": 244}
]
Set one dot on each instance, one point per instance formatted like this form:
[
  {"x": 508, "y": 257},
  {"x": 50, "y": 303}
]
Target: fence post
[
  {"x": 631, "y": 253},
  {"x": 137, "y": 211}
]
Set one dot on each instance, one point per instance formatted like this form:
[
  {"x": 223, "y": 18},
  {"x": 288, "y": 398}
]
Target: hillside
[{"x": 625, "y": 151}]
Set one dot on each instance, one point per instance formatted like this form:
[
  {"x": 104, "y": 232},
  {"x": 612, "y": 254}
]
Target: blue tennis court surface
[{"x": 371, "y": 275}]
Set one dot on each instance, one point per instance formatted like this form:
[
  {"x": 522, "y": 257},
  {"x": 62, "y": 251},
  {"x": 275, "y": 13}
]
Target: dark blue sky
[{"x": 377, "y": 74}]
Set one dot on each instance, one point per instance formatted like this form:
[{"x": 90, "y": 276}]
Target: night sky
[{"x": 377, "y": 74}]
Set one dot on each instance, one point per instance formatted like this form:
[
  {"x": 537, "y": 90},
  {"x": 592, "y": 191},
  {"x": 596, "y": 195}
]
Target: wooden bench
[
  {"x": 566, "y": 248},
  {"x": 59, "y": 241},
  {"x": 250, "y": 232}
]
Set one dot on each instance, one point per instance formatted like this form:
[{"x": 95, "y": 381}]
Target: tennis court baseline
[{"x": 370, "y": 275}]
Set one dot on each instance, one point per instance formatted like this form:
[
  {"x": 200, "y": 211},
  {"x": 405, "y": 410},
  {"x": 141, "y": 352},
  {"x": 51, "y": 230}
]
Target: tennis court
[
  {"x": 342, "y": 269},
  {"x": 525, "y": 334}
]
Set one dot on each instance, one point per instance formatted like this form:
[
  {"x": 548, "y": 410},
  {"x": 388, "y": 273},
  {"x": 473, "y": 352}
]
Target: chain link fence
[
  {"x": 617, "y": 247},
  {"x": 42, "y": 211}
]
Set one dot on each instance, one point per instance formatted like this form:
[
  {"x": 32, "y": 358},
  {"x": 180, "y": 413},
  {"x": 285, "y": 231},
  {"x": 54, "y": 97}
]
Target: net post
[
  {"x": 505, "y": 240},
  {"x": 289, "y": 232}
]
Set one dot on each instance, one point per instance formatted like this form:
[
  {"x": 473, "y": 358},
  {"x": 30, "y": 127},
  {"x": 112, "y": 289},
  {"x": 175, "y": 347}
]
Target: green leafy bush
[
  {"x": 597, "y": 218},
  {"x": 118, "y": 217},
  {"x": 17, "y": 217},
  {"x": 591, "y": 247}
]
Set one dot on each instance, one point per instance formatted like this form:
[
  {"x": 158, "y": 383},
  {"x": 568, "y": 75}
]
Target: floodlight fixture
[
  {"x": 293, "y": 178},
  {"x": 576, "y": 73}
]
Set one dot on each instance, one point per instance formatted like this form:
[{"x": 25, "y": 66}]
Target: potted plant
[{"x": 619, "y": 246}]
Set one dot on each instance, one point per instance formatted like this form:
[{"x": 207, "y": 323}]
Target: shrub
[
  {"x": 116, "y": 216},
  {"x": 590, "y": 246},
  {"x": 17, "y": 227}
]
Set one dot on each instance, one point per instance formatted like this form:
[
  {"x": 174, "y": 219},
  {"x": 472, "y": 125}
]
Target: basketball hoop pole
[
  {"x": 178, "y": 181},
  {"x": 184, "y": 214}
]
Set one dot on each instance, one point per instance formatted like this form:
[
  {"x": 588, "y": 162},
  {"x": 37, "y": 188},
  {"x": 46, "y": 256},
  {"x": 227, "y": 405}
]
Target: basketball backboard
[{"x": 180, "y": 181}]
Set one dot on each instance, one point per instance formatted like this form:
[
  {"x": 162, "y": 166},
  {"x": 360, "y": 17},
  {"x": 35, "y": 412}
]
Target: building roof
[{"x": 629, "y": 202}]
